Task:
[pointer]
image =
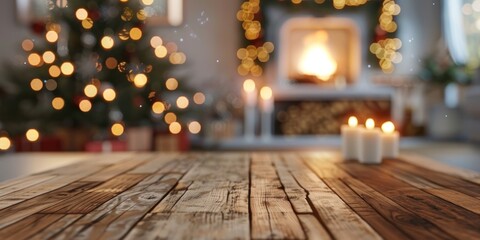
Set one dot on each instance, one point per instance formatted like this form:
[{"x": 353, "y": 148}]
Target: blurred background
[{"x": 176, "y": 75}]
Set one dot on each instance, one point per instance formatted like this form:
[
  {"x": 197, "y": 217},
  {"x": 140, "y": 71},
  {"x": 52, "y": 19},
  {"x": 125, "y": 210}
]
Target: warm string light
[{"x": 5, "y": 143}]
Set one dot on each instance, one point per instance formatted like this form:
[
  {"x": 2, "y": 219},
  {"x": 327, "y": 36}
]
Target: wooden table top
[{"x": 291, "y": 195}]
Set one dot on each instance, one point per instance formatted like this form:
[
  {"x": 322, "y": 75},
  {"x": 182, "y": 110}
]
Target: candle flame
[
  {"x": 388, "y": 127},
  {"x": 266, "y": 93},
  {"x": 352, "y": 121},
  {"x": 249, "y": 85},
  {"x": 370, "y": 124}
]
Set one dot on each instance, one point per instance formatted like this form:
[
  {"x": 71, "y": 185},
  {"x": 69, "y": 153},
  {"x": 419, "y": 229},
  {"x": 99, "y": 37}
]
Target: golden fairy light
[
  {"x": 34, "y": 59},
  {"x": 107, "y": 42},
  {"x": 249, "y": 85},
  {"x": 140, "y": 80},
  {"x": 182, "y": 102},
  {"x": 156, "y": 41},
  {"x": 85, "y": 105},
  {"x": 135, "y": 33},
  {"x": 199, "y": 98},
  {"x": 87, "y": 23},
  {"x": 117, "y": 129},
  {"x": 109, "y": 94},
  {"x": 158, "y": 107},
  {"x": 48, "y": 57},
  {"x": 81, "y": 14},
  {"x": 51, "y": 36},
  {"x": 54, "y": 71},
  {"x": 90, "y": 90},
  {"x": 58, "y": 103},
  {"x": 32, "y": 135},
  {"x": 171, "y": 84},
  {"x": 175, "y": 128},
  {"x": 170, "y": 117},
  {"x": 5, "y": 143},
  {"x": 36, "y": 84},
  {"x": 194, "y": 127},
  {"x": 67, "y": 68},
  {"x": 177, "y": 58},
  {"x": 160, "y": 51},
  {"x": 27, "y": 45}
]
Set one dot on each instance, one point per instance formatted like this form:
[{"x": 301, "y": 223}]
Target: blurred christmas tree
[{"x": 92, "y": 65}]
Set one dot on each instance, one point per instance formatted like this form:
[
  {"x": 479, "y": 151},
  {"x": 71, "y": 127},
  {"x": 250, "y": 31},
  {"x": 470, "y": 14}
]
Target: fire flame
[{"x": 316, "y": 59}]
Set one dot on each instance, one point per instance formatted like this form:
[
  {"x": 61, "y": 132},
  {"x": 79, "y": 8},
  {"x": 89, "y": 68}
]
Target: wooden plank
[
  {"x": 114, "y": 218},
  {"x": 23, "y": 183},
  {"x": 433, "y": 165},
  {"x": 452, "y": 219},
  {"x": 155, "y": 163},
  {"x": 382, "y": 226},
  {"x": 87, "y": 201},
  {"x": 445, "y": 180},
  {"x": 24, "y": 209},
  {"x": 313, "y": 228},
  {"x": 201, "y": 225},
  {"x": 57, "y": 182},
  {"x": 118, "y": 168},
  {"x": 210, "y": 201},
  {"x": 453, "y": 196},
  {"x": 272, "y": 214},
  {"x": 27, "y": 227},
  {"x": 341, "y": 221},
  {"x": 296, "y": 194},
  {"x": 56, "y": 227},
  {"x": 410, "y": 223}
]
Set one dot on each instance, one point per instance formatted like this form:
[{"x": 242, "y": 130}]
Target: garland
[{"x": 257, "y": 52}]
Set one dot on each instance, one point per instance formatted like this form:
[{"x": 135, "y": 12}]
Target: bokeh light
[
  {"x": 182, "y": 102},
  {"x": 5, "y": 143},
  {"x": 58, "y": 103},
  {"x": 32, "y": 135},
  {"x": 90, "y": 90},
  {"x": 158, "y": 107},
  {"x": 109, "y": 94},
  {"x": 171, "y": 84},
  {"x": 194, "y": 127},
  {"x": 199, "y": 98},
  {"x": 36, "y": 84},
  {"x": 117, "y": 129},
  {"x": 175, "y": 128},
  {"x": 85, "y": 105}
]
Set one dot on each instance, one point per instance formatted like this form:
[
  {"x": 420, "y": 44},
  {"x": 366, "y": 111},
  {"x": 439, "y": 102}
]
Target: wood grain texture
[
  {"x": 240, "y": 195},
  {"x": 272, "y": 214},
  {"x": 452, "y": 219}
]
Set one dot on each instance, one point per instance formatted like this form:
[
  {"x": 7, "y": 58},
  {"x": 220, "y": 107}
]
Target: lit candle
[
  {"x": 351, "y": 139},
  {"x": 250, "y": 93},
  {"x": 370, "y": 144},
  {"x": 390, "y": 140},
  {"x": 266, "y": 105}
]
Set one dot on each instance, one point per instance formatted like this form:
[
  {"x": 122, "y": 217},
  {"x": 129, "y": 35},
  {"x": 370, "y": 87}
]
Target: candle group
[
  {"x": 266, "y": 107},
  {"x": 369, "y": 145}
]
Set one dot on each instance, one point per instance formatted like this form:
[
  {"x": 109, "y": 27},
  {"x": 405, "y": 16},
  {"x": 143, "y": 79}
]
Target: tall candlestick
[
  {"x": 250, "y": 94},
  {"x": 351, "y": 139},
  {"x": 266, "y": 105},
  {"x": 390, "y": 140},
  {"x": 370, "y": 144}
]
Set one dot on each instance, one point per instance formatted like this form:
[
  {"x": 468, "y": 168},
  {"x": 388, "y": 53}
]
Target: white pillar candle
[
  {"x": 350, "y": 139},
  {"x": 266, "y": 106},
  {"x": 370, "y": 144},
  {"x": 390, "y": 140},
  {"x": 250, "y": 97}
]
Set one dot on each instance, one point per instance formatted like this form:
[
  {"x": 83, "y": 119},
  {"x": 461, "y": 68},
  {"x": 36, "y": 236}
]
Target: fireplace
[{"x": 321, "y": 51}]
